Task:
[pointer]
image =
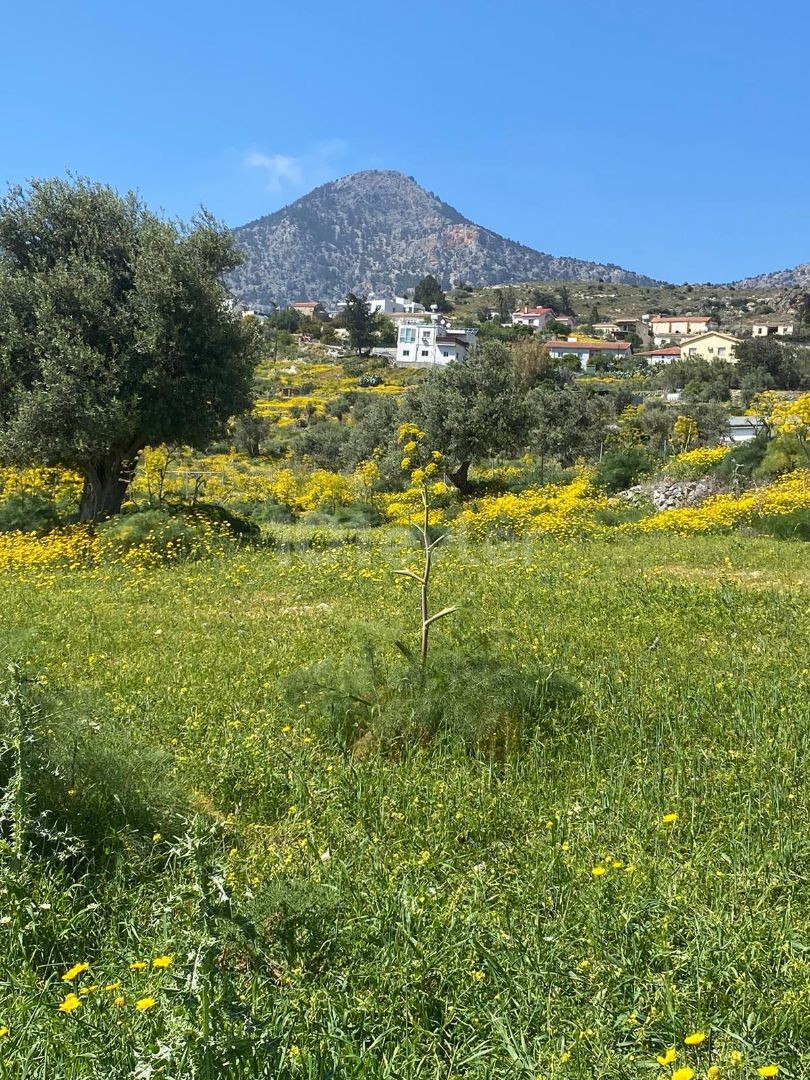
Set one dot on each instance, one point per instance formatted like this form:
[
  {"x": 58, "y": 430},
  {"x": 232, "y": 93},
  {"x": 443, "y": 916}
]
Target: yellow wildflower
[
  {"x": 112, "y": 986},
  {"x": 713, "y": 1073},
  {"x": 163, "y": 961},
  {"x": 669, "y": 819},
  {"x": 695, "y": 1039},
  {"x": 3, "y": 1032},
  {"x": 598, "y": 871},
  {"x": 70, "y": 1003},
  {"x": 85, "y": 990},
  {"x": 478, "y": 976},
  {"x": 138, "y": 965},
  {"x": 768, "y": 1070},
  {"x": 145, "y": 1003},
  {"x": 684, "y": 1073},
  {"x": 668, "y": 1056},
  {"x": 77, "y": 969},
  {"x": 120, "y": 1001}
]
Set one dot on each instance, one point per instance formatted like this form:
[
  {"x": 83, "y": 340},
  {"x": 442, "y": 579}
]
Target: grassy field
[{"x": 447, "y": 902}]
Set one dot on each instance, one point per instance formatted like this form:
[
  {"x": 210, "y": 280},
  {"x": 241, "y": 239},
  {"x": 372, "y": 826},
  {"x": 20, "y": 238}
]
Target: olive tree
[{"x": 114, "y": 334}]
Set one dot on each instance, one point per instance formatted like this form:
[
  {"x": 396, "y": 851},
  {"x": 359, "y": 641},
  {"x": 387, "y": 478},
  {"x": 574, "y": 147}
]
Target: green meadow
[{"x": 578, "y": 839}]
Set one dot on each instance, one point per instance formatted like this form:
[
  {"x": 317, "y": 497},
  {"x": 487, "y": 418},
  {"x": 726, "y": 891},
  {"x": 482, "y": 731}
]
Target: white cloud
[{"x": 285, "y": 171}]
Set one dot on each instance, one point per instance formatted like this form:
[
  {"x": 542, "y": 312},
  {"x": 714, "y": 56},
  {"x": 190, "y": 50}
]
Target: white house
[
  {"x": 667, "y": 329},
  {"x": 431, "y": 344},
  {"x": 384, "y": 305},
  {"x": 536, "y": 317},
  {"x": 587, "y": 351},
  {"x": 778, "y": 327},
  {"x": 666, "y": 354}
]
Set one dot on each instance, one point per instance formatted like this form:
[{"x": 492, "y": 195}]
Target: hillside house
[
  {"x": 587, "y": 351},
  {"x": 777, "y": 327},
  {"x": 616, "y": 328},
  {"x": 313, "y": 308},
  {"x": 666, "y": 354},
  {"x": 711, "y": 346},
  {"x": 384, "y": 305},
  {"x": 431, "y": 344},
  {"x": 669, "y": 329},
  {"x": 536, "y": 317}
]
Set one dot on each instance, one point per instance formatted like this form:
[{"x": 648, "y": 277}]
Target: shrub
[
  {"x": 162, "y": 534},
  {"x": 482, "y": 703},
  {"x": 621, "y": 469},
  {"x": 28, "y": 512}
]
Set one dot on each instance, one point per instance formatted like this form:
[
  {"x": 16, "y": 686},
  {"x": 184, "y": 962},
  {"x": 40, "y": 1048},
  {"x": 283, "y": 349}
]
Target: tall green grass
[{"x": 427, "y": 907}]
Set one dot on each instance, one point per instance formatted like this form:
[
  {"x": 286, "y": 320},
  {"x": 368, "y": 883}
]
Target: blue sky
[{"x": 671, "y": 138}]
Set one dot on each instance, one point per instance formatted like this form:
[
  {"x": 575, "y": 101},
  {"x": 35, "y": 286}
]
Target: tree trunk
[
  {"x": 105, "y": 485},
  {"x": 460, "y": 478}
]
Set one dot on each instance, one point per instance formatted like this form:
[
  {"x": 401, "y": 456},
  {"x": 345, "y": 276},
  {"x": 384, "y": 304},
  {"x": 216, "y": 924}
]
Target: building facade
[
  {"x": 431, "y": 344},
  {"x": 711, "y": 346},
  {"x": 587, "y": 351},
  {"x": 669, "y": 329}
]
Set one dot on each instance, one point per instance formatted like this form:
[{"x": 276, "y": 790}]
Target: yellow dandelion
[
  {"x": 295, "y": 1052},
  {"x": 70, "y": 1003},
  {"x": 598, "y": 871},
  {"x": 138, "y": 965},
  {"x": 695, "y": 1039},
  {"x": 144, "y": 1003},
  {"x": 713, "y": 1072},
  {"x": 684, "y": 1073},
  {"x": 768, "y": 1070},
  {"x": 120, "y": 1001},
  {"x": 73, "y": 972},
  {"x": 85, "y": 990},
  {"x": 669, "y": 819},
  {"x": 163, "y": 961},
  {"x": 477, "y": 976},
  {"x": 736, "y": 1057},
  {"x": 157, "y": 838},
  {"x": 668, "y": 1056},
  {"x": 112, "y": 986},
  {"x": 3, "y": 1032}
]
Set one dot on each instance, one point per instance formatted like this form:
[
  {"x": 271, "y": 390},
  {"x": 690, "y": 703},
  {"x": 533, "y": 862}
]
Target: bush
[
  {"x": 358, "y": 515},
  {"x": 165, "y": 533},
  {"x": 28, "y": 512},
  {"x": 482, "y": 703},
  {"x": 792, "y": 526},
  {"x": 743, "y": 460},
  {"x": 621, "y": 469}
]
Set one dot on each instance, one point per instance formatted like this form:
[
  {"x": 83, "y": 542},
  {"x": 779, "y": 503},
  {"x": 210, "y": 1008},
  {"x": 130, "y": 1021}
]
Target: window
[
  {"x": 445, "y": 352},
  {"x": 721, "y": 350},
  {"x": 407, "y": 335},
  {"x": 425, "y": 352},
  {"x": 406, "y": 352}
]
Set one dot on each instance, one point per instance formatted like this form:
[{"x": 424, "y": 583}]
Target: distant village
[{"x": 427, "y": 338}]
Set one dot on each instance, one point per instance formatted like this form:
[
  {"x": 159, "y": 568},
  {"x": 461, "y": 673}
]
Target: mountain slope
[
  {"x": 379, "y": 231},
  {"x": 798, "y": 277}
]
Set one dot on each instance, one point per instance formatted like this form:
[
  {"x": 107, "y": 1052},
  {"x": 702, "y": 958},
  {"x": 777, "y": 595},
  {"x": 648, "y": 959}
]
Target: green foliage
[
  {"x": 356, "y": 317},
  {"x": 249, "y": 433},
  {"x": 743, "y": 460},
  {"x": 766, "y": 362},
  {"x": 113, "y": 333},
  {"x": 472, "y": 410},
  {"x": 792, "y": 526},
  {"x": 429, "y": 292},
  {"x": 28, "y": 512},
  {"x": 479, "y": 704},
  {"x": 622, "y": 468}
]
